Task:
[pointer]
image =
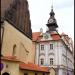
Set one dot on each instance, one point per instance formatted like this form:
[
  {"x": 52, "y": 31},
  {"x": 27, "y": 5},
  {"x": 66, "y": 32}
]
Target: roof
[
  {"x": 32, "y": 67},
  {"x": 55, "y": 37},
  {"x": 11, "y": 13},
  {"x": 24, "y": 66},
  {"x": 63, "y": 34},
  {"x": 5, "y": 4},
  {"x": 9, "y": 58},
  {"x": 35, "y": 36}
]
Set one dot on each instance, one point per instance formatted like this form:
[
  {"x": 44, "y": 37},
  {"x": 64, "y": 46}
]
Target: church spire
[{"x": 52, "y": 24}]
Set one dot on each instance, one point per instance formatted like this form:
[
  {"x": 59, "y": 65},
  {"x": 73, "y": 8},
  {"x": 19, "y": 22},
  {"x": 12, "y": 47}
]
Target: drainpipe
[{"x": 58, "y": 60}]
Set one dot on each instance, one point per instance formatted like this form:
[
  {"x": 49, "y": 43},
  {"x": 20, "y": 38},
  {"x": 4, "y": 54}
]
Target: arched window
[
  {"x": 42, "y": 61},
  {"x": 14, "y": 50},
  {"x": 51, "y": 61}
]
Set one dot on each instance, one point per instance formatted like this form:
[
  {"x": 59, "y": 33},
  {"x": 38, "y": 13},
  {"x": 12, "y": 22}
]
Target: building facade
[
  {"x": 53, "y": 49},
  {"x": 17, "y": 54}
]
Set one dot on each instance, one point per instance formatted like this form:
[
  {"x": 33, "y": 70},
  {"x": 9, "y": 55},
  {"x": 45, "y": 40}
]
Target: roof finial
[{"x": 52, "y": 5}]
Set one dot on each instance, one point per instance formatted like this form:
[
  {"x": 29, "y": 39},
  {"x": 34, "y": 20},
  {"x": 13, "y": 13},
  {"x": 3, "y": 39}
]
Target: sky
[{"x": 64, "y": 14}]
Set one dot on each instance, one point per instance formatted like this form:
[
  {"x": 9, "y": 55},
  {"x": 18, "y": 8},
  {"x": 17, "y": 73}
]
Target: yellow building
[
  {"x": 17, "y": 53},
  {"x": 16, "y": 44}
]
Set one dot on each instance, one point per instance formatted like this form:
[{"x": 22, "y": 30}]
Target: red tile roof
[
  {"x": 35, "y": 36},
  {"x": 56, "y": 37},
  {"x": 33, "y": 67},
  {"x": 25, "y": 66},
  {"x": 9, "y": 58}
]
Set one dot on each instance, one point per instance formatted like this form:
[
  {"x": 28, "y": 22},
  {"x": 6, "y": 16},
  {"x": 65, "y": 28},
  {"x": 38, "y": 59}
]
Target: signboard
[{"x": 1, "y": 66}]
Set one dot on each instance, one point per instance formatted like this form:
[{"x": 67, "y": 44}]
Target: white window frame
[{"x": 51, "y": 47}]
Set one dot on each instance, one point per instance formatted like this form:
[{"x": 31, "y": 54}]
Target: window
[
  {"x": 14, "y": 50},
  {"x": 2, "y": 31},
  {"x": 36, "y": 74},
  {"x": 51, "y": 46},
  {"x": 51, "y": 61},
  {"x": 42, "y": 47},
  {"x": 42, "y": 61}
]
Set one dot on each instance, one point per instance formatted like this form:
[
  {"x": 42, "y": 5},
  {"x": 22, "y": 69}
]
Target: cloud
[{"x": 64, "y": 4}]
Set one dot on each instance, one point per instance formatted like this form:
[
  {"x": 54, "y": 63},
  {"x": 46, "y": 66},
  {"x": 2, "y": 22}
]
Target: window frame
[
  {"x": 51, "y": 61},
  {"x": 42, "y": 61},
  {"x": 42, "y": 47},
  {"x": 51, "y": 47}
]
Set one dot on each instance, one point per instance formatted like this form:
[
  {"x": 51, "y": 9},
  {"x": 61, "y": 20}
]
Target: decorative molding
[
  {"x": 51, "y": 54},
  {"x": 42, "y": 54}
]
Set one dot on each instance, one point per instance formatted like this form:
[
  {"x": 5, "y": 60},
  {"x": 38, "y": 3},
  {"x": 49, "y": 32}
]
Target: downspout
[
  {"x": 66, "y": 61},
  {"x": 39, "y": 55},
  {"x": 58, "y": 58}
]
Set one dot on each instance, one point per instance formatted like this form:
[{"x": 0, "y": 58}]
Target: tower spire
[
  {"x": 52, "y": 12},
  {"x": 52, "y": 5},
  {"x": 52, "y": 24}
]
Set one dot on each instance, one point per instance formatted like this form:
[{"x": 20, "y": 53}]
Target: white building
[{"x": 54, "y": 50}]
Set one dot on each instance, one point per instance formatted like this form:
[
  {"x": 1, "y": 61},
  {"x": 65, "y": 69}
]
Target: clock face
[
  {"x": 46, "y": 36},
  {"x": 51, "y": 20}
]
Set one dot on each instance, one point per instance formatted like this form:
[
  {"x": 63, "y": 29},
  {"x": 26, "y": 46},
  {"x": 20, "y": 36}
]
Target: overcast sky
[{"x": 64, "y": 14}]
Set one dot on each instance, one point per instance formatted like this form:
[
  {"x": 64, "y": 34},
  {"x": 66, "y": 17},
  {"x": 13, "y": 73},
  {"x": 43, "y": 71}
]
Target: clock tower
[{"x": 52, "y": 24}]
